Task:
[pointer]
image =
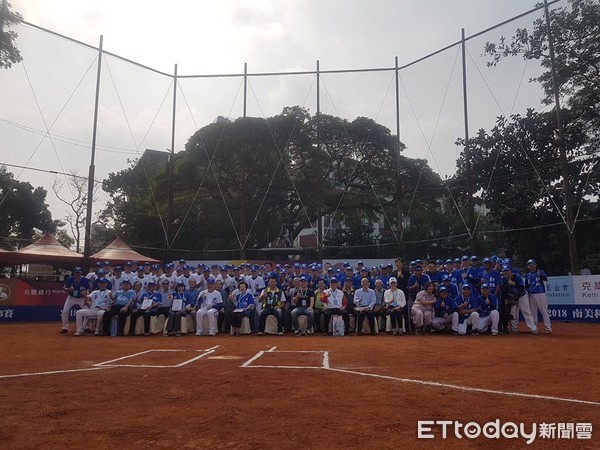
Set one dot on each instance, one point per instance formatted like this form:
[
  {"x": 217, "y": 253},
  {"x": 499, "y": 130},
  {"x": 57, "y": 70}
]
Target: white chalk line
[
  {"x": 53, "y": 372},
  {"x": 326, "y": 366},
  {"x": 467, "y": 388}
]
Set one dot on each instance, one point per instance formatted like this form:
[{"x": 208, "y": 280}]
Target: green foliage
[
  {"x": 252, "y": 182},
  {"x": 9, "y": 53},
  {"x": 23, "y": 208}
]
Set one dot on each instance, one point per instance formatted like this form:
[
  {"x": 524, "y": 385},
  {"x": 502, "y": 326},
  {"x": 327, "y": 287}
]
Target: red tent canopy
[
  {"x": 45, "y": 250},
  {"x": 119, "y": 251}
]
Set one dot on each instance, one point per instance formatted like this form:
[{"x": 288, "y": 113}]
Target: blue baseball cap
[
  {"x": 466, "y": 286},
  {"x": 104, "y": 280},
  {"x": 485, "y": 286},
  {"x": 210, "y": 280},
  {"x": 487, "y": 260},
  {"x": 333, "y": 280},
  {"x": 77, "y": 269},
  {"x": 531, "y": 261},
  {"x": 506, "y": 267},
  {"x": 303, "y": 278},
  {"x": 442, "y": 289}
]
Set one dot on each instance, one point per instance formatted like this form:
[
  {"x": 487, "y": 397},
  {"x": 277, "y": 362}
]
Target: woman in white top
[{"x": 395, "y": 302}]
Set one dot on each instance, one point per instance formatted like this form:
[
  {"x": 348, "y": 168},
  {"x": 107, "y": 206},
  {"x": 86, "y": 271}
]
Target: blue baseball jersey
[
  {"x": 83, "y": 284},
  {"x": 484, "y": 308},
  {"x": 444, "y": 306},
  {"x": 492, "y": 278},
  {"x": 534, "y": 282}
]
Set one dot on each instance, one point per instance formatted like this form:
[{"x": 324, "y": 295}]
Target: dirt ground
[{"x": 307, "y": 392}]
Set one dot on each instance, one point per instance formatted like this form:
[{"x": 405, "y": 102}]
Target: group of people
[{"x": 457, "y": 295}]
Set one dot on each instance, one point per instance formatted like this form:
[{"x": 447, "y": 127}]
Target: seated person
[
  {"x": 466, "y": 314},
  {"x": 395, "y": 304},
  {"x": 209, "y": 302},
  {"x": 139, "y": 309},
  {"x": 443, "y": 309},
  {"x": 319, "y": 305},
  {"x": 272, "y": 300},
  {"x": 488, "y": 311},
  {"x": 304, "y": 303},
  {"x": 99, "y": 302},
  {"x": 243, "y": 301},
  {"x": 121, "y": 302},
  {"x": 180, "y": 307},
  {"x": 335, "y": 305},
  {"x": 364, "y": 302},
  {"x": 422, "y": 309}
]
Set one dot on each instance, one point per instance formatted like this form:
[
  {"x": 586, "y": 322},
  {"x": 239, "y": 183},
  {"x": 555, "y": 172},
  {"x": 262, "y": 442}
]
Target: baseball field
[{"x": 271, "y": 392}]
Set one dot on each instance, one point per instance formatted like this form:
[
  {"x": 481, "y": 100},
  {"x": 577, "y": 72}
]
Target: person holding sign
[
  {"x": 304, "y": 302},
  {"x": 272, "y": 300},
  {"x": 335, "y": 305},
  {"x": 208, "y": 302},
  {"x": 143, "y": 305},
  {"x": 244, "y": 305},
  {"x": 180, "y": 307}
]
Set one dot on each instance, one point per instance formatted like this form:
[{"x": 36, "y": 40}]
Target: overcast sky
[{"x": 54, "y": 87}]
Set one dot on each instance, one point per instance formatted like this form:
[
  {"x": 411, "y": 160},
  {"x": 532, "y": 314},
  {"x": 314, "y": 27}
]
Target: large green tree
[
  {"x": 23, "y": 208},
  {"x": 516, "y": 163},
  {"x": 9, "y": 53},
  {"x": 253, "y": 181}
]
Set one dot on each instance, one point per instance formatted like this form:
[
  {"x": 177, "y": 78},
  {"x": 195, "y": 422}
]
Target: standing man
[
  {"x": 538, "y": 300},
  {"x": 208, "y": 302},
  {"x": 76, "y": 288}
]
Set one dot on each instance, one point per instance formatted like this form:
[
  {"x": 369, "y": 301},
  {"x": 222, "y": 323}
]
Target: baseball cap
[
  {"x": 485, "y": 286},
  {"x": 464, "y": 258},
  {"x": 418, "y": 268},
  {"x": 118, "y": 269},
  {"x": 147, "y": 263},
  {"x": 333, "y": 280},
  {"x": 210, "y": 280},
  {"x": 101, "y": 272},
  {"x": 393, "y": 280},
  {"x": 440, "y": 261},
  {"x": 442, "y": 289},
  {"x": 128, "y": 263},
  {"x": 466, "y": 286},
  {"x": 303, "y": 278},
  {"x": 151, "y": 283},
  {"x": 474, "y": 258},
  {"x": 487, "y": 260},
  {"x": 531, "y": 261},
  {"x": 446, "y": 278},
  {"x": 77, "y": 269},
  {"x": 456, "y": 260},
  {"x": 182, "y": 284},
  {"x": 506, "y": 267},
  {"x": 102, "y": 280}
]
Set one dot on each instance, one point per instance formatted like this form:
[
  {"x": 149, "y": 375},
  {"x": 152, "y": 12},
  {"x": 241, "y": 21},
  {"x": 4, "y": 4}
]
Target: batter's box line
[
  {"x": 430, "y": 384},
  {"x": 324, "y": 363},
  {"x": 110, "y": 363}
]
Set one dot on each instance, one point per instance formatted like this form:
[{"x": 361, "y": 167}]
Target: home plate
[{"x": 224, "y": 357}]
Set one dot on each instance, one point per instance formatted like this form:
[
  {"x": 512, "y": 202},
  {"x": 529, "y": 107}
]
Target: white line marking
[
  {"x": 286, "y": 367},
  {"x": 295, "y": 351},
  {"x": 194, "y": 359},
  {"x": 254, "y": 358},
  {"x": 212, "y": 348},
  {"x": 272, "y": 349},
  {"x": 466, "y": 388},
  {"x": 325, "y": 360},
  {"x": 124, "y": 357},
  {"x": 51, "y": 372}
]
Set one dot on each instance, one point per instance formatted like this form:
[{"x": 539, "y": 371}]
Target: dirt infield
[{"x": 256, "y": 392}]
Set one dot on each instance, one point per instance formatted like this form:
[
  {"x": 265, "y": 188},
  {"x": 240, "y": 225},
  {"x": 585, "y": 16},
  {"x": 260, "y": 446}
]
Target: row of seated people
[{"x": 318, "y": 307}]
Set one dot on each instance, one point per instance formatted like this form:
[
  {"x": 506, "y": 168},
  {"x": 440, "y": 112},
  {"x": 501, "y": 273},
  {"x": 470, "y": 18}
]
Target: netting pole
[
  {"x": 470, "y": 205},
  {"x": 243, "y": 210},
  {"x": 92, "y": 171},
  {"x": 319, "y": 194},
  {"x": 564, "y": 165},
  {"x": 169, "y": 243},
  {"x": 399, "y": 223}
]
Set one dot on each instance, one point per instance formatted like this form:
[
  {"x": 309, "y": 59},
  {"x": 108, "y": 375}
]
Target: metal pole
[
  {"x": 168, "y": 243},
  {"x": 564, "y": 164},
  {"x": 470, "y": 205},
  {"x": 243, "y": 209},
  {"x": 399, "y": 224},
  {"x": 318, "y": 169},
  {"x": 92, "y": 171}
]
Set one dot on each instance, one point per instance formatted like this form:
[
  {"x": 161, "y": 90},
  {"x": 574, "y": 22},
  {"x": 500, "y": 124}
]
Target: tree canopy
[{"x": 9, "y": 53}]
